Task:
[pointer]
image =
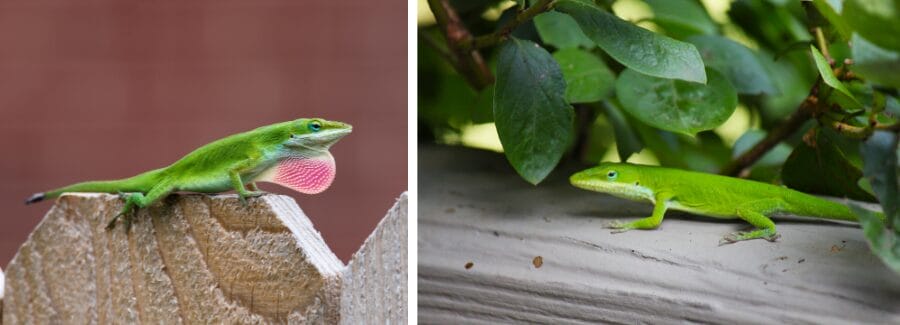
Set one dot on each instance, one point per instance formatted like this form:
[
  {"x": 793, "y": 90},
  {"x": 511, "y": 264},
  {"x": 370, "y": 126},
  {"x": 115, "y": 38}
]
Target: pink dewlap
[{"x": 305, "y": 175}]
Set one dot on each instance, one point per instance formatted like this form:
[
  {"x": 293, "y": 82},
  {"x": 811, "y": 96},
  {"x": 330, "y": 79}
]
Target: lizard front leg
[
  {"x": 242, "y": 191},
  {"x": 651, "y": 222},
  {"x": 238, "y": 183}
]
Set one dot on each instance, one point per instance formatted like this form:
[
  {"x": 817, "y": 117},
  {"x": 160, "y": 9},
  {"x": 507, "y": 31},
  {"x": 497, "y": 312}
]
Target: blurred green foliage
[{"x": 572, "y": 79}]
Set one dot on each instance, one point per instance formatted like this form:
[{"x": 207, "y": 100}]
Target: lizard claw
[{"x": 112, "y": 223}]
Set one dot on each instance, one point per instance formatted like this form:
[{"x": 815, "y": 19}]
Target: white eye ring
[{"x": 612, "y": 174}]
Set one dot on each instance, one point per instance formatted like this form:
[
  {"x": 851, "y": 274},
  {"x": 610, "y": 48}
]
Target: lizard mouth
[{"x": 622, "y": 190}]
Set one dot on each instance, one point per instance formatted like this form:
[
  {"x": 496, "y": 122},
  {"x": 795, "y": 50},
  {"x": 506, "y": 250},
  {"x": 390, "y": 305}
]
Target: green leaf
[
  {"x": 705, "y": 152},
  {"x": 772, "y": 27},
  {"x": 635, "y": 47},
  {"x": 446, "y": 101},
  {"x": 676, "y": 105},
  {"x": 892, "y": 107},
  {"x": 793, "y": 86},
  {"x": 740, "y": 65},
  {"x": 600, "y": 138},
  {"x": 880, "y": 168},
  {"x": 684, "y": 17},
  {"x": 533, "y": 120},
  {"x": 876, "y": 20},
  {"x": 884, "y": 243},
  {"x": 829, "y": 78},
  {"x": 833, "y": 16},
  {"x": 561, "y": 31},
  {"x": 776, "y": 156},
  {"x": 875, "y": 63},
  {"x": 627, "y": 141},
  {"x": 824, "y": 169},
  {"x": 587, "y": 77}
]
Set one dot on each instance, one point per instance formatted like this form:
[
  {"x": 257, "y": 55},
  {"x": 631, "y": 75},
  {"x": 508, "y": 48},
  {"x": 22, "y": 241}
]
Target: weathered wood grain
[
  {"x": 195, "y": 259},
  {"x": 374, "y": 285},
  {"x": 481, "y": 231}
]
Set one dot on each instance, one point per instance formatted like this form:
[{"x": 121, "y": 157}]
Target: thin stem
[
  {"x": 502, "y": 33},
  {"x": 888, "y": 127},
  {"x": 850, "y": 131},
  {"x": 436, "y": 46},
  {"x": 803, "y": 113},
  {"x": 467, "y": 61},
  {"x": 823, "y": 45},
  {"x": 441, "y": 16}
]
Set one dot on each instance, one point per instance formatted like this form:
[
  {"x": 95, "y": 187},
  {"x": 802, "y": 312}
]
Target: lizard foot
[
  {"x": 250, "y": 194},
  {"x": 767, "y": 234},
  {"x": 127, "y": 212},
  {"x": 618, "y": 226}
]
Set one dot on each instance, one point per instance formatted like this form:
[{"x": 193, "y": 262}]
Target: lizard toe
[
  {"x": 255, "y": 193},
  {"x": 617, "y": 226}
]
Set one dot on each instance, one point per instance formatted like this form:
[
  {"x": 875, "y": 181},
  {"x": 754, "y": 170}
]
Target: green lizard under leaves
[
  {"x": 705, "y": 194},
  {"x": 293, "y": 154}
]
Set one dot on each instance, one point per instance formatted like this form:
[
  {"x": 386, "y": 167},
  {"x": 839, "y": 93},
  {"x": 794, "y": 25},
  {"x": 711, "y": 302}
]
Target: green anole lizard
[
  {"x": 293, "y": 154},
  {"x": 705, "y": 194}
]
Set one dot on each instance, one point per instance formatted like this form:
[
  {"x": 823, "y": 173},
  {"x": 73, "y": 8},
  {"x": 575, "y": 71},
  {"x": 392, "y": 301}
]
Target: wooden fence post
[{"x": 195, "y": 259}]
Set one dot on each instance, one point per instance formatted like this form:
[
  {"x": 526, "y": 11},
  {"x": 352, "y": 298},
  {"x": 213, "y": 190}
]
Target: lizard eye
[
  {"x": 315, "y": 126},
  {"x": 612, "y": 174}
]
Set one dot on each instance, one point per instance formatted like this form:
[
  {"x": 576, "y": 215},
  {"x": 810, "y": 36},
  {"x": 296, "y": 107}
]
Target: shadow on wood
[
  {"x": 493, "y": 248},
  {"x": 195, "y": 259}
]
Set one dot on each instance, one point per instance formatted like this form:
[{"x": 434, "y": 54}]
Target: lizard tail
[
  {"x": 139, "y": 183},
  {"x": 36, "y": 197}
]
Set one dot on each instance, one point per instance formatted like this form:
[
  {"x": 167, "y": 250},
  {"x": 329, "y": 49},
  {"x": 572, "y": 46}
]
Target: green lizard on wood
[
  {"x": 293, "y": 154},
  {"x": 705, "y": 194}
]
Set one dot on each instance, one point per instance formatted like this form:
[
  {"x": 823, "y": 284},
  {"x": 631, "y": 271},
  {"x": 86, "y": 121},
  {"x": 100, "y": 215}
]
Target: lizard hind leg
[
  {"x": 755, "y": 213},
  {"x": 132, "y": 200},
  {"x": 138, "y": 200}
]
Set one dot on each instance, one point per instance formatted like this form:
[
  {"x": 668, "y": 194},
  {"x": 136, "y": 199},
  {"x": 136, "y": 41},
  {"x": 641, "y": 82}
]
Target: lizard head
[
  {"x": 316, "y": 134},
  {"x": 618, "y": 179}
]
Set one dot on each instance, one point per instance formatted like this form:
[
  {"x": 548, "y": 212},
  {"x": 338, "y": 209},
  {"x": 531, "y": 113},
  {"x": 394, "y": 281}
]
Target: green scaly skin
[
  {"x": 229, "y": 163},
  {"x": 705, "y": 194}
]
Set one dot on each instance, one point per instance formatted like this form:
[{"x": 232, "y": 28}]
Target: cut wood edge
[
  {"x": 375, "y": 280},
  {"x": 309, "y": 240},
  {"x": 2, "y": 280},
  {"x": 195, "y": 258}
]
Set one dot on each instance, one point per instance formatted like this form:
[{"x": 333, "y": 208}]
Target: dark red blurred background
[{"x": 108, "y": 89}]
